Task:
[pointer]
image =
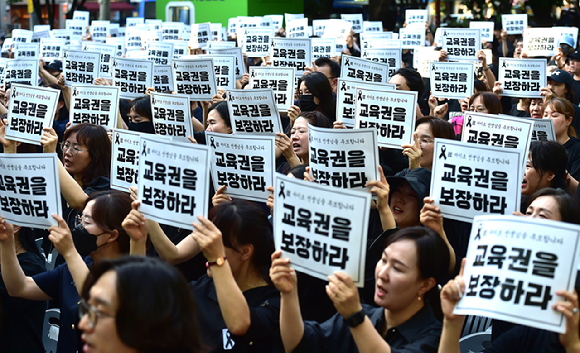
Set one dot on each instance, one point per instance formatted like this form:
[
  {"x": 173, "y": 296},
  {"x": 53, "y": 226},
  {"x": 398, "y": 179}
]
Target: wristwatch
[
  {"x": 219, "y": 261},
  {"x": 355, "y": 319}
]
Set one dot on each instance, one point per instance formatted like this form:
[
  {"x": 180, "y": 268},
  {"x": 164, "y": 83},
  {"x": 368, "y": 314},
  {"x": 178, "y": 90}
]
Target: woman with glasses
[
  {"x": 120, "y": 312},
  {"x": 485, "y": 102},
  {"x": 98, "y": 233}
]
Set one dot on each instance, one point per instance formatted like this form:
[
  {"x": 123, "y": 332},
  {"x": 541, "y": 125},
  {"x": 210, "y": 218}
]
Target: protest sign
[
  {"x": 391, "y": 113},
  {"x": 365, "y": 38},
  {"x": 200, "y": 35},
  {"x": 224, "y": 69},
  {"x": 422, "y": 58},
  {"x": 20, "y": 71},
  {"x": 291, "y": 16},
  {"x": 470, "y": 179},
  {"x": 451, "y": 79},
  {"x": 173, "y": 181},
  {"x": 543, "y": 130},
  {"x": 343, "y": 158},
  {"x": 321, "y": 229},
  {"x": 124, "y": 159},
  {"x": 119, "y": 44},
  {"x": 372, "y": 26},
  {"x": 412, "y": 38},
  {"x": 322, "y": 47},
  {"x": 514, "y": 24},
  {"x": 294, "y": 53},
  {"x": 345, "y": 103},
  {"x": 339, "y": 30},
  {"x": 244, "y": 163},
  {"x": 318, "y": 28},
  {"x": 97, "y": 105},
  {"x": 83, "y": 16},
  {"x": 280, "y": 80},
  {"x": 154, "y": 24},
  {"x": 134, "y": 21},
  {"x": 80, "y": 67},
  {"x": 2, "y": 69},
  {"x": 133, "y": 39},
  {"x": 416, "y": 18},
  {"x": 253, "y": 111},
  {"x": 26, "y": 50},
  {"x": 171, "y": 31},
  {"x": 356, "y": 19},
  {"x": 297, "y": 28},
  {"x": 363, "y": 70},
  {"x": 78, "y": 28},
  {"x": 194, "y": 78},
  {"x": 132, "y": 76},
  {"x": 461, "y": 43},
  {"x": 7, "y": 45},
  {"x": 163, "y": 79},
  {"x": 179, "y": 48},
  {"x": 108, "y": 51},
  {"x": 171, "y": 115},
  {"x": 540, "y": 41},
  {"x": 65, "y": 34},
  {"x": 391, "y": 57},
  {"x": 37, "y": 36},
  {"x": 570, "y": 32},
  {"x": 161, "y": 53},
  {"x": 522, "y": 78},
  {"x": 41, "y": 28},
  {"x": 30, "y": 189},
  {"x": 515, "y": 265},
  {"x": 21, "y": 36},
  {"x": 486, "y": 29},
  {"x": 237, "y": 52},
  {"x": 99, "y": 31},
  {"x": 31, "y": 109}
]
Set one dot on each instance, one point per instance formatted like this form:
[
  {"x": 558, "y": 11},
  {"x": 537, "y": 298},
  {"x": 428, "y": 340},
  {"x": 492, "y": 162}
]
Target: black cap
[
  {"x": 54, "y": 66},
  {"x": 575, "y": 55},
  {"x": 561, "y": 76},
  {"x": 418, "y": 178}
]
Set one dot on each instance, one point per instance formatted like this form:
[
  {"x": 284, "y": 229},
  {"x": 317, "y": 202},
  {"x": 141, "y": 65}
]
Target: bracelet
[{"x": 486, "y": 68}]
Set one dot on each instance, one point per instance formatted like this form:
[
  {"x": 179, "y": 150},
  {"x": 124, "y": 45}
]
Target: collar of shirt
[{"x": 411, "y": 328}]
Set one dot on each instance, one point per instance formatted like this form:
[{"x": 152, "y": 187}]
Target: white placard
[
  {"x": 224, "y": 70},
  {"x": 318, "y": 27},
  {"x": 422, "y": 59},
  {"x": 416, "y": 18},
  {"x": 355, "y": 19},
  {"x": 154, "y": 24},
  {"x": 253, "y": 111},
  {"x": 514, "y": 24},
  {"x": 237, "y": 52},
  {"x": 290, "y": 16},
  {"x": 31, "y": 109},
  {"x": 132, "y": 76},
  {"x": 412, "y": 38},
  {"x": 543, "y": 130},
  {"x": 97, "y": 105},
  {"x": 368, "y": 37},
  {"x": 294, "y": 53},
  {"x": 391, "y": 57},
  {"x": 470, "y": 180},
  {"x": 7, "y": 45},
  {"x": 363, "y": 70},
  {"x": 244, "y": 163},
  {"x": 179, "y": 48},
  {"x": 99, "y": 31},
  {"x": 65, "y": 34},
  {"x": 119, "y": 43},
  {"x": 343, "y": 158},
  {"x": 124, "y": 159},
  {"x": 232, "y": 25},
  {"x": 22, "y": 36},
  {"x": 30, "y": 192},
  {"x": 522, "y": 78},
  {"x": 182, "y": 194},
  {"x": 461, "y": 43},
  {"x": 391, "y": 113},
  {"x": 372, "y": 26},
  {"x": 107, "y": 51},
  {"x": 38, "y": 35},
  {"x": 149, "y": 36},
  {"x": 540, "y": 41},
  {"x": 2, "y": 69},
  {"x": 322, "y": 47},
  {"x": 134, "y": 21},
  {"x": 80, "y": 67},
  {"x": 41, "y": 28},
  {"x": 280, "y": 80},
  {"x": 256, "y": 41},
  {"x": 78, "y": 28},
  {"x": 452, "y": 79},
  {"x": 26, "y": 50},
  {"x": 163, "y": 79},
  {"x": 200, "y": 35},
  {"x": 498, "y": 130},
  {"x": 501, "y": 281},
  {"x": 571, "y": 32},
  {"x": 276, "y": 21},
  {"x": 345, "y": 103},
  {"x": 171, "y": 30},
  {"x": 82, "y": 16},
  {"x": 486, "y": 28},
  {"x": 194, "y": 78},
  {"x": 221, "y": 45},
  {"x": 384, "y": 44},
  {"x": 21, "y": 71},
  {"x": 51, "y": 49},
  {"x": 133, "y": 39},
  {"x": 339, "y": 30},
  {"x": 322, "y": 249},
  {"x": 160, "y": 53},
  {"x": 297, "y": 28},
  {"x": 171, "y": 115}
]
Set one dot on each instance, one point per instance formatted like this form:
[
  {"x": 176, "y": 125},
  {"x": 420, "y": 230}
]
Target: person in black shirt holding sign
[{"x": 406, "y": 289}]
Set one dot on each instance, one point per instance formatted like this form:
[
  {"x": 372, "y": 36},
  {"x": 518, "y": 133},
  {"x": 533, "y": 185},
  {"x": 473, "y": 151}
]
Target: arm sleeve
[{"x": 49, "y": 282}]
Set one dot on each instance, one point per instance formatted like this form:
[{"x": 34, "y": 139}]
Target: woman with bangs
[{"x": 561, "y": 111}]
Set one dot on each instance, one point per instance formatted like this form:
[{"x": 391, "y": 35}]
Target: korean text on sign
[
  {"x": 124, "y": 159},
  {"x": 253, "y": 111},
  {"x": 345, "y": 93},
  {"x": 97, "y": 105}
]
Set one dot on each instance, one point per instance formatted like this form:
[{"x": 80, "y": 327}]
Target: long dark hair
[
  {"x": 490, "y": 100},
  {"x": 222, "y": 109},
  {"x": 109, "y": 210},
  {"x": 567, "y": 204},
  {"x": 550, "y": 156},
  {"x": 142, "y": 106},
  {"x": 97, "y": 142},
  {"x": 242, "y": 223},
  {"x": 439, "y": 127},
  {"x": 158, "y": 314},
  {"x": 317, "y": 83},
  {"x": 432, "y": 259}
]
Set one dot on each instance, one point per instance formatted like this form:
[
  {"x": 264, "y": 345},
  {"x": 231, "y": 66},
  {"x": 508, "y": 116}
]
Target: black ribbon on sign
[
  {"x": 253, "y": 73},
  {"x": 478, "y": 235},
  {"x": 468, "y": 122},
  {"x": 230, "y": 97},
  {"x": 347, "y": 62},
  {"x": 443, "y": 150},
  {"x": 281, "y": 193},
  {"x": 230, "y": 342},
  {"x": 117, "y": 139},
  {"x": 75, "y": 92},
  {"x": 343, "y": 86},
  {"x": 360, "y": 97},
  {"x": 503, "y": 64},
  {"x": 212, "y": 142},
  {"x": 433, "y": 67},
  {"x": 444, "y": 33},
  {"x": 144, "y": 153},
  {"x": 175, "y": 65},
  {"x": 14, "y": 92}
]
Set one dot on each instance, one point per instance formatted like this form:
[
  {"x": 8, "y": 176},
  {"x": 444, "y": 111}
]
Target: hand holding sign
[
  {"x": 413, "y": 152},
  {"x": 570, "y": 310},
  {"x": 209, "y": 238},
  {"x": 62, "y": 239},
  {"x": 451, "y": 294},
  {"x": 283, "y": 276},
  {"x": 135, "y": 224},
  {"x": 6, "y": 231},
  {"x": 343, "y": 293},
  {"x": 9, "y": 145},
  {"x": 431, "y": 216},
  {"x": 220, "y": 197},
  {"x": 49, "y": 140}
]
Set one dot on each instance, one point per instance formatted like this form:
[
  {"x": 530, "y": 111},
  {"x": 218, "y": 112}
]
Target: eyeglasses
[
  {"x": 80, "y": 222},
  {"x": 479, "y": 109},
  {"x": 74, "y": 148},
  {"x": 92, "y": 313},
  {"x": 425, "y": 142}
]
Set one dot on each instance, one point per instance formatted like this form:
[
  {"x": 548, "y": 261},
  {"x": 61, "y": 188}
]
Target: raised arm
[
  {"x": 431, "y": 217},
  {"x": 382, "y": 189},
  {"x": 17, "y": 283},
  {"x": 452, "y": 324}
]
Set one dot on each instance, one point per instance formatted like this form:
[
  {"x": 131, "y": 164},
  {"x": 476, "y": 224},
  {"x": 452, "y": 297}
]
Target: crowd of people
[{"x": 125, "y": 283}]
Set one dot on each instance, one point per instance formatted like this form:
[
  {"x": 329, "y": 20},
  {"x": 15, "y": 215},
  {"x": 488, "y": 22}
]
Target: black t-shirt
[
  {"x": 526, "y": 339},
  {"x": 21, "y": 320},
  {"x": 520, "y": 113},
  {"x": 264, "y": 332},
  {"x": 576, "y": 89},
  {"x": 572, "y": 147}
]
